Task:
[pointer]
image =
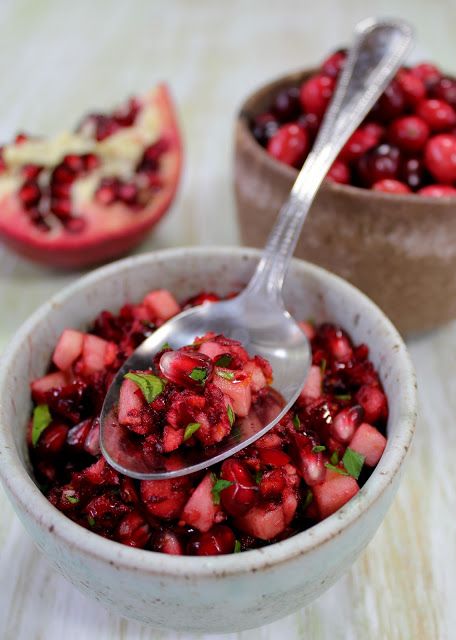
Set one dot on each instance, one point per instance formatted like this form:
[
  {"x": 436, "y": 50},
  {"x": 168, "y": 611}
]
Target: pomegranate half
[{"x": 86, "y": 197}]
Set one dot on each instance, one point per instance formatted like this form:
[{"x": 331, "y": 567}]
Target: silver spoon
[{"x": 257, "y": 316}]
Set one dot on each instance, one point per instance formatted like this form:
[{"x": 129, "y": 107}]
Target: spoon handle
[{"x": 377, "y": 52}]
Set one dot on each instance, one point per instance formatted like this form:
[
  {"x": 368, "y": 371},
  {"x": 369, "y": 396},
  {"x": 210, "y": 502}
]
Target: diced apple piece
[
  {"x": 96, "y": 353},
  {"x": 238, "y": 391},
  {"x": 308, "y": 329},
  {"x": 212, "y": 349},
  {"x": 332, "y": 494},
  {"x": 165, "y": 498},
  {"x": 161, "y": 304},
  {"x": 50, "y": 381},
  {"x": 258, "y": 380},
  {"x": 199, "y": 512},
  {"x": 172, "y": 438},
  {"x": 369, "y": 442},
  {"x": 267, "y": 521},
  {"x": 68, "y": 349},
  {"x": 312, "y": 388},
  {"x": 131, "y": 403}
]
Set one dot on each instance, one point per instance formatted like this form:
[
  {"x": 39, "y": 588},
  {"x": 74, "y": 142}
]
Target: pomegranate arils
[
  {"x": 61, "y": 208},
  {"x": 217, "y": 541},
  {"x": 107, "y": 192},
  {"x": 127, "y": 192},
  {"x": 126, "y": 116},
  {"x": 191, "y": 370},
  {"x": 31, "y": 171},
  {"x": 242, "y": 494},
  {"x": 134, "y": 531},
  {"x": 344, "y": 424},
  {"x": 29, "y": 194}
]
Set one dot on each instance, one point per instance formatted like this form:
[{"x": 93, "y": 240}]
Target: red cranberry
[
  {"x": 438, "y": 191},
  {"x": 316, "y": 93},
  {"x": 378, "y": 164},
  {"x": 239, "y": 497},
  {"x": 391, "y": 103},
  {"x": 217, "y": 541},
  {"x": 440, "y": 157},
  {"x": 427, "y": 72},
  {"x": 52, "y": 440},
  {"x": 390, "y": 186},
  {"x": 287, "y": 106},
  {"x": 339, "y": 172},
  {"x": 264, "y": 127},
  {"x": 412, "y": 86},
  {"x": 289, "y": 145},
  {"x": 21, "y": 137},
  {"x": 445, "y": 89},
  {"x": 409, "y": 133},
  {"x": 180, "y": 366},
  {"x": 29, "y": 194},
  {"x": 334, "y": 63},
  {"x": 437, "y": 114},
  {"x": 412, "y": 172},
  {"x": 310, "y": 122},
  {"x": 359, "y": 142},
  {"x": 91, "y": 161}
]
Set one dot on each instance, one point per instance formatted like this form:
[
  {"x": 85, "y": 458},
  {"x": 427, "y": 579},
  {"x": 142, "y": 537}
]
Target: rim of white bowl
[{"x": 18, "y": 482}]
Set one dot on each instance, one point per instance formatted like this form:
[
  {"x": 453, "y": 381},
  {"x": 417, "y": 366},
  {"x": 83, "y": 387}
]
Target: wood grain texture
[{"x": 60, "y": 58}]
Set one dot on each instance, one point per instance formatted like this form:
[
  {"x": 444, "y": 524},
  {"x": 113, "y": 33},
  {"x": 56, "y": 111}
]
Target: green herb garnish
[
  {"x": 296, "y": 422},
  {"x": 165, "y": 346},
  {"x": 353, "y": 462},
  {"x": 308, "y": 499},
  {"x": 91, "y": 521},
  {"x": 258, "y": 476},
  {"x": 231, "y": 414},
  {"x": 332, "y": 467},
  {"x": 237, "y": 547},
  {"x": 199, "y": 374},
  {"x": 318, "y": 448},
  {"x": 228, "y": 375},
  {"x": 218, "y": 485},
  {"x": 72, "y": 499},
  {"x": 334, "y": 459},
  {"x": 150, "y": 384},
  {"x": 343, "y": 396},
  {"x": 323, "y": 365},
  {"x": 41, "y": 420},
  {"x": 224, "y": 360},
  {"x": 190, "y": 429}
]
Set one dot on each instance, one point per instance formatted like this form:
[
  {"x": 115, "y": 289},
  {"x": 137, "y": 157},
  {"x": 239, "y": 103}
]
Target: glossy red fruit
[
  {"x": 390, "y": 186},
  {"x": 334, "y": 63},
  {"x": 437, "y": 191},
  {"x": 310, "y": 122},
  {"x": 412, "y": 172},
  {"x": 289, "y": 145},
  {"x": 409, "y": 133},
  {"x": 29, "y": 194},
  {"x": 373, "y": 401},
  {"x": 445, "y": 89},
  {"x": 133, "y": 531},
  {"x": 286, "y": 105},
  {"x": 165, "y": 499},
  {"x": 437, "y": 114},
  {"x": 239, "y": 497},
  {"x": 339, "y": 172},
  {"x": 52, "y": 440},
  {"x": 427, "y": 72},
  {"x": 440, "y": 157},
  {"x": 264, "y": 126},
  {"x": 272, "y": 484},
  {"x": 316, "y": 93},
  {"x": 217, "y": 541},
  {"x": 412, "y": 86},
  {"x": 105, "y": 227},
  {"x": 345, "y": 423},
  {"x": 391, "y": 104},
  {"x": 377, "y": 164},
  {"x": 191, "y": 370},
  {"x": 359, "y": 142}
]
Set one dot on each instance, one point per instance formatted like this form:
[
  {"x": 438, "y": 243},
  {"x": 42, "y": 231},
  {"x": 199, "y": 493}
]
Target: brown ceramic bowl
[{"x": 399, "y": 249}]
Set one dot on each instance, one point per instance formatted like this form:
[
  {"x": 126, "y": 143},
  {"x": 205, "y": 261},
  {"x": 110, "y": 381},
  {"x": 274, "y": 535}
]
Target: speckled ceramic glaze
[{"x": 225, "y": 593}]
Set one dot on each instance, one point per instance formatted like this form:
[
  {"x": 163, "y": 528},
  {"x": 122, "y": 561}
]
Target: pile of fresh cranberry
[
  {"x": 299, "y": 473},
  {"x": 406, "y": 144}
]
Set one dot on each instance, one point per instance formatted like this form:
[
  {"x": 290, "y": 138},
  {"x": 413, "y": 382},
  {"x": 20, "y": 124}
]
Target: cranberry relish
[
  {"x": 406, "y": 144},
  {"x": 299, "y": 473}
]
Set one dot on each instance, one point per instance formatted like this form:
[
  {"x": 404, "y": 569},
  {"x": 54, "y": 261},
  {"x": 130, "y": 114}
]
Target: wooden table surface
[{"x": 59, "y": 59}]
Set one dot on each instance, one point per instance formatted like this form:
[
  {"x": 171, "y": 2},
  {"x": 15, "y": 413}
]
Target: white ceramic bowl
[{"x": 225, "y": 593}]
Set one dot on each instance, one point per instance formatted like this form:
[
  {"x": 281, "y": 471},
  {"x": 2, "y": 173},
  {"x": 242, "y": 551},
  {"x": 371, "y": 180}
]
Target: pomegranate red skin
[
  {"x": 238, "y": 498},
  {"x": 72, "y": 251}
]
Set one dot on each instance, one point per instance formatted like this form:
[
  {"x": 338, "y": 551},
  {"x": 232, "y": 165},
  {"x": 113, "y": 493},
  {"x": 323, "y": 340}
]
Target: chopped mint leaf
[
  {"x": 334, "y": 459},
  {"x": 228, "y": 375},
  {"x": 165, "y": 346},
  {"x": 353, "y": 462},
  {"x": 71, "y": 499},
  {"x": 224, "y": 360},
  {"x": 150, "y": 384},
  {"x": 343, "y": 396},
  {"x": 91, "y": 521},
  {"x": 258, "y": 476},
  {"x": 231, "y": 414},
  {"x": 217, "y": 488},
  {"x": 190, "y": 429},
  {"x": 296, "y": 422},
  {"x": 41, "y": 420},
  {"x": 199, "y": 374},
  {"x": 323, "y": 364},
  {"x": 332, "y": 467},
  {"x": 237, "y": 547},
  {"x": 319, "y": 448},
  {"x": 308, "y": 499}
]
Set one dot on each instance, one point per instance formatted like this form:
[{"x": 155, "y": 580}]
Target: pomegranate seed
[
  {"x": 105, "y": 126},
  {"x": 289, "y": 145},
  {"x": 127, "y": 192},
  {"x": 438, "y": 191},
  {"x": 310, "y": 463},
  {"x": 344, "y": 424},
  {"x": 377, "y": 164},
  {"x": 334, "y": 63},
  {"x": 153, "y": 153},
  {"x": 75, "y": 225},
  {"x": 29, "y": 194},
  {"x": 274, "y": 457},
  {"x": 108, "y": 191},
  {"x": 125, "y": 116},
  {"x": 168, "y": 542},
  {"x": 52, "y": 440},
  {"x": 179, "y": 366},
  {"x": 336, "y": 341},
  {"x": 390, "y": 186},
  {"x": 373, "y": 401},
  {"x": 316, "y": 93},
  {"x": 217, "y": 541},
  {"x": 74, "y": 162},
  {"x": 2, "y": 162},
  {"x": 31, "y": 171},
  {"x": 286, "y": 105},
  {"x": 239, "y": 497},
  {"x": 445, "y": 89},
  {"x": 339, "y": 172},
  {"x": 91, "y": 161},
  {"x": 62, "y": 174},
  {"x": 440, "y": 157},
  {"x": 409, "y": 133},
  {"x": 134, "y": 531},
  {"x": 427, "y": 72},
  {"x": 78, "y": 434},
  {"x": 391, "y": 103},
  {"x": 437, "y": 114},
  {"x": 272, "y": 484},
  {"x": 61, "y": 208},
  {"x": 60, "y": 190},
  {"x": 412, "y": 86},
  {"x": 20, "y": 138},
  {"x": 92, "y": 441}
]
